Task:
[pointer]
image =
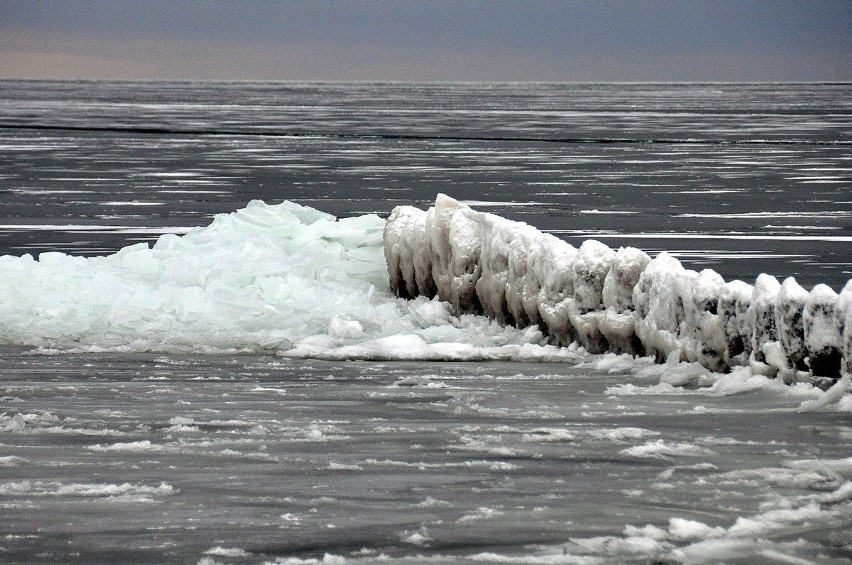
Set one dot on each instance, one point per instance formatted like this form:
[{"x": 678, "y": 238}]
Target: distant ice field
[{"x": 759, "y": 176}]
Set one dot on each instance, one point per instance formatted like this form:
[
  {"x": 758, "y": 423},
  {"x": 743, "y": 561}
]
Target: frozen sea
[{"x": 249, "y": 392}]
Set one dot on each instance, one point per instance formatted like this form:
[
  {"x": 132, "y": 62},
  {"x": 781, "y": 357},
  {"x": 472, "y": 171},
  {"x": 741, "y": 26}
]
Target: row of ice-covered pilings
[{"x": 615, "y": 300}]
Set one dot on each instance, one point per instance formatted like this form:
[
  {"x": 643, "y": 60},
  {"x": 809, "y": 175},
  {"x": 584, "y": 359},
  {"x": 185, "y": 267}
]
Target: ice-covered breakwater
[
  {"x": 296, "y": 282},
  {"x": 616, "y": 300}
]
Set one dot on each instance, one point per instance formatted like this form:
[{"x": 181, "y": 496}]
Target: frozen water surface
[
  {"x": 147, "y": 458},
  {"x": 149, "y": 412},
  {"x": 707, "y": 160}
]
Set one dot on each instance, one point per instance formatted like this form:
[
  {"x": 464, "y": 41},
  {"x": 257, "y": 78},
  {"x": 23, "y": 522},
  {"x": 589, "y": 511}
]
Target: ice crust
[{"x": 616, "y": 300}]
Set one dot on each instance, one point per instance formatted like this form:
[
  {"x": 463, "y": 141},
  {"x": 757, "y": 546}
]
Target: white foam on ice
[
  {"x": 548, "y": 435},
  {"x": 45, "y": 422},
  {"x": 56, "y": 488},
  {"x": 692, "y": 379},
  {"x": 482, "y": 513},
  {"x": 662, "y": 449},
  {"x": 423, "y": 466},
  {"x": 768, "y": 534},
  {"x": 622, "y": 434},
  {"x": 12, "y": 461},
  {"x": 132, "y": 447},
  {"x": 227, "y": 552}
]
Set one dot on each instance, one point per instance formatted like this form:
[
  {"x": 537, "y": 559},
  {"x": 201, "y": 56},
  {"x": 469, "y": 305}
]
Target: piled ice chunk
[
  {"x": 282, "y": 279},
  {"x": 620, "y": 301},
  {"x": 259, "y": 279}
]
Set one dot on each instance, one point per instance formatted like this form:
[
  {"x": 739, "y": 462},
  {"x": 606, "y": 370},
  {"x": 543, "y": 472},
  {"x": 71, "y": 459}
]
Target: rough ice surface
[
  {"x": 617, "y": 300},
  {"x": 283, "y": 279}
]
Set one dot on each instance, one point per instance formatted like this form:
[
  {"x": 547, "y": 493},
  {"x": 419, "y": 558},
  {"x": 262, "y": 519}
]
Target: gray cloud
[{"x": 436, "y": 40}]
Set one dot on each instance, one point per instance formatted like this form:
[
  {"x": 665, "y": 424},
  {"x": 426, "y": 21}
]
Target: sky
[{"x": 438, "y": 40}]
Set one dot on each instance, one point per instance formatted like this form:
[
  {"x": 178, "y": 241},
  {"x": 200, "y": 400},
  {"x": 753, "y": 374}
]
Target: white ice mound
[
  {"x": 268, "y": 278},
  {"x": 257, "y": 279},
  {"x": 620, "y": 301}
]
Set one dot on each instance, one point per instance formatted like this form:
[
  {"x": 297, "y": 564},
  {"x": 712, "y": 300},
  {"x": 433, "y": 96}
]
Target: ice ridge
[
  {"x": 616, "y": 300},
  {"x": 283, "y": 279}
]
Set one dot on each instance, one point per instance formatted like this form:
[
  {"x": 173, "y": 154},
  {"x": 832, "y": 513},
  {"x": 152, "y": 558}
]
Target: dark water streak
[{"x": 561, "y": 140}]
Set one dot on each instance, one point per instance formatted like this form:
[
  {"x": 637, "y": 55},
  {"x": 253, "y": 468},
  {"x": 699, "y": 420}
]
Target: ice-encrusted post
[
  {"x": 408, "y": 253},
  {"x": 789, "y": 320},
  {"x": 847, "y": 342},
  {"x": 523, "y": 282},
  {"x": 843, "y": 317},
  {"x": 591, "y": 267},
  {"x": 616, "y": 301},
  {"x": 734, "y": 304},
  {"x": 702, "y": 329},
  {"x": 556, "y": 274},
  {"x": 455, "y": 244},
  {"x": 494, "y": 277},
  {"x": 656, "y": 318},
  {"x": 764, "y": 330},
  {"x": 618, "y": 324},
  {"x": 465, "y": 267},
  {"x": 822, "y": 335}
]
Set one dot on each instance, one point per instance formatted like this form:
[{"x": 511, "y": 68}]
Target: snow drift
[{"x": 616, "y": 300}]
